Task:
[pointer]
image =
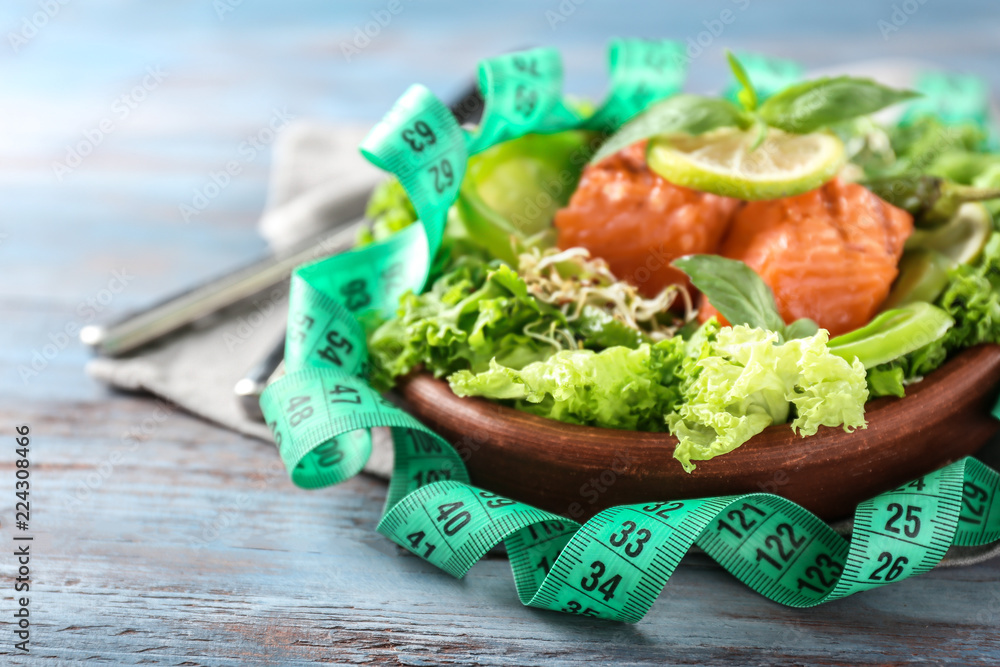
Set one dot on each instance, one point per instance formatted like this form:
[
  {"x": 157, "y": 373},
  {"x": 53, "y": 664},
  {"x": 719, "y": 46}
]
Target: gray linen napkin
[{"x": 315, "y": 168}]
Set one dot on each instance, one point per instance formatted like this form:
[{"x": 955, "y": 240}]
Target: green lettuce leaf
[
  {"x": 887, "y": 380},
  {"x": 389, "y": 210},
  {"x": 742, "y": 380},
  {"x": 972, "y": 299},
  {"x": 616, "y": 388},
  {"x": 474, "y": 313}
]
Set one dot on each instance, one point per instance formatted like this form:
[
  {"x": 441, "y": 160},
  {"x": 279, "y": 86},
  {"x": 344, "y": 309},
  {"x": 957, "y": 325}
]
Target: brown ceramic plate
[{"x": 577, "y": 471}]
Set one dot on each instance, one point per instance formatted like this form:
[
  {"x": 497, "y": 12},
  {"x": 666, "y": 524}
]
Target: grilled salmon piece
[
  {"x": 829, "y": 254},
  {"x": 638, "y": 222}
]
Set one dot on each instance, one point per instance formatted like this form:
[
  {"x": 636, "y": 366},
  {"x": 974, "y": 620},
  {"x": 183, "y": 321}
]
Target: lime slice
[
  {"x": 962, "y": 238},
  {"x": 725, "y": 161}
]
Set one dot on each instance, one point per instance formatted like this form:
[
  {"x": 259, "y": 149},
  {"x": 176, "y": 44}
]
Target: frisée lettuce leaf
[
  {"x": 713, "y": 392},
  {"x": 743, "y": 380},
  {"x": 615, "y": 388}
]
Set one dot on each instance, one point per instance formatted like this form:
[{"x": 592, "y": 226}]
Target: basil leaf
[
  {"x": 801, "y": 328},
  {"x": 690, "y": 114},
  {"x": 747, "y": 96},
  {"x": 808, "y": 106},
  {"x": 734, "y": 289}
]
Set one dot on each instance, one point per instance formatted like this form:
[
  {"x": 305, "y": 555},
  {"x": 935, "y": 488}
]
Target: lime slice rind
[{"x": 725, "y": 162}]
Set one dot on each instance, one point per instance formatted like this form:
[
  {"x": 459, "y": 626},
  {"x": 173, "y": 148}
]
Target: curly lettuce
[
  {"x": 713, "y": 392},
  {"x": 473, "y": 314},
  {"x": 389, "y": 210},
  {"x": 743, "y": 380},
  {"x": 616, "y": 388}
]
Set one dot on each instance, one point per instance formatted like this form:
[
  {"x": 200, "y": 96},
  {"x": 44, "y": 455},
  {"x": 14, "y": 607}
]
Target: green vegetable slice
[
  {"x": 512, "y": 191},
  {"x": 893, "y": 334},
  {"x": 923, "y": 275},
  {"x": 962, "y": 239}
]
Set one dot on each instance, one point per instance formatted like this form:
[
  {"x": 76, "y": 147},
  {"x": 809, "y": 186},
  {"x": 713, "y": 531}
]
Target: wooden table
[{"x": 161, "y": 539}]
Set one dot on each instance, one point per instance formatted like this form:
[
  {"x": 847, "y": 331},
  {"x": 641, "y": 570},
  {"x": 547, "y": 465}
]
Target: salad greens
[
  {"x": 615, "y": 388},
  {"x": 389, "y": 210},
  {"x": 801, "y": 108},
  {"x": 714, "y": 391},
  {"x": 560, "y": 336},
  {"x": 904, "y": 158},
  {"x": 479, "y": 312},
  {"x": 744, "y": 379},
  {"x": 972, "y": 300},
  {"x": 741, "y": 295},
  {"x": 472, "y": 315}
]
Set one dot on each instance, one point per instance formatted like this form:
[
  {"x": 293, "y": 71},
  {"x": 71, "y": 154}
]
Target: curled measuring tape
[{"x": 615, "y": 565}]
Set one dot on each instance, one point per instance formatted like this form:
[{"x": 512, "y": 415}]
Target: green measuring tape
[
  {"x": 769, "y": 75},
  {"x": 954, "y": 99},
  {"x": 616, "y": 564}
]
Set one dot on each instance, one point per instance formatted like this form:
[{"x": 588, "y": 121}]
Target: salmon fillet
[
  {"x": 638, "y": 222},
  {"x": 829, "y": 254}
]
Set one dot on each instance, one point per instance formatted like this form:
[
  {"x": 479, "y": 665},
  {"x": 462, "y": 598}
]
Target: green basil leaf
[
  {"x": 690, "y": 114},
  {"x": 734, "y": 289},
  {"x": 747, "y": 96},
  {"x": 801, "y": 328},
  {"x": 811, "y": 105}
]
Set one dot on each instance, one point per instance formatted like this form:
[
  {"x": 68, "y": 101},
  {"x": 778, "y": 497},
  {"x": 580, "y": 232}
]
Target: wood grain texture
[
  {"x": 192, "y": 548},
  {"x": 828, "y": 473}
]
